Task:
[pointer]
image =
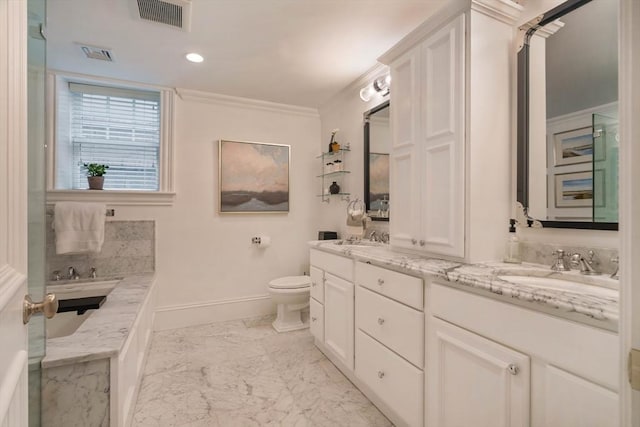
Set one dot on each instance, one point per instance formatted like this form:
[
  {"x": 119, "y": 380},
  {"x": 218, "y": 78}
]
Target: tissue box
[{"x": 327, "y": 235}]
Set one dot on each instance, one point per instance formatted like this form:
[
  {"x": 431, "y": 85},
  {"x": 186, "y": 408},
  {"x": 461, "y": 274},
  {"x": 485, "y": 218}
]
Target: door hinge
[{"x": 634, "y": 368}]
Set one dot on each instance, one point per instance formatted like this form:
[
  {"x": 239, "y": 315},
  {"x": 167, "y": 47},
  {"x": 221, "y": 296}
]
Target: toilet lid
[{"x": 291, "y": 282}]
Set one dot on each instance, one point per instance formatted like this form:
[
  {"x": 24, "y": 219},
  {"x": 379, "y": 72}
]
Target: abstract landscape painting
[
  {"x": 254, "y": 177},
  {"x": 574, "y": 190},
  {"x": 378, "y": 181}
]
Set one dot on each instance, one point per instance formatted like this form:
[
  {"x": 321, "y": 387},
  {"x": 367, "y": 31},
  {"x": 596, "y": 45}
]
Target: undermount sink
[{"x": 560, "y": 285}]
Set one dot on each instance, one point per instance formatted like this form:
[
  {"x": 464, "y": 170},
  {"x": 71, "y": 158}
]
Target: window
[
  {"x": 119, "y": 128},
  {"x": 125, "y": 127}
]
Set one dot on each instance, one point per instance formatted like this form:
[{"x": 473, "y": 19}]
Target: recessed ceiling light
[{"x": 194, "y": 57}]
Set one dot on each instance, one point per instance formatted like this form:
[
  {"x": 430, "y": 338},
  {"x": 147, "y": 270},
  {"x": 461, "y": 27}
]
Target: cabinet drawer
[
  {"x": 316, "y": 319},
  {"x": 400, "y": 287},
  {"x": 397, "y": 326},
  {"x": 317, "y": 284},
  {"x": 394, "y": 380},
  {"x": 334, "y": 264}
]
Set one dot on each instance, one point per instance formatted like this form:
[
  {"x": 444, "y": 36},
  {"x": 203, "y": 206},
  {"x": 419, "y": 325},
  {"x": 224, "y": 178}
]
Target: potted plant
[{"x": 95, "y": 175}]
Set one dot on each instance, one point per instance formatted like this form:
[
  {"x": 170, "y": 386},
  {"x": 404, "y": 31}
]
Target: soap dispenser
[{"x": 512, "y": 253}]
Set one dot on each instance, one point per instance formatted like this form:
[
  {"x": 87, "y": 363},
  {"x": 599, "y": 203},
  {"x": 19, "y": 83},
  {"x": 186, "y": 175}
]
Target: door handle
[{"x": 48, "y": 306}]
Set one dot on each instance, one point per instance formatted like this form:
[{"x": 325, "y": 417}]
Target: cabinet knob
[
  {"x": 513, "y": 369},
  {"x": 380, "y": 282},
  {"x": 313, "y": 319},
  {"x": 422, "y": 242},
  {"x": 414, "y": 241},
  {"x": 380, "y": 320},
  {"x": 380, "y": 374}
]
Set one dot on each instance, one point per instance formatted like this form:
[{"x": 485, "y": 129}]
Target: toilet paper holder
[{"x": 256, "y": 240}]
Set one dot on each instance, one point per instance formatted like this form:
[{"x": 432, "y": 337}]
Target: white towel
[{"x": 79, "y": 227}]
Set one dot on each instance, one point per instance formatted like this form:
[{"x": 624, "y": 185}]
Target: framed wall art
[
  {"x": 574, "y": 146},
  {"x": 574, "y": 190},
  {"x": 253, "y": 177}
]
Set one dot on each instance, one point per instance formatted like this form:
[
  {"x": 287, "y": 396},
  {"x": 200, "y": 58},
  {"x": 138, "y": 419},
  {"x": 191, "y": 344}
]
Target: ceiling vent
[
  {"x": 93, "y": 52},
  {"x": 176, "y": 13}
]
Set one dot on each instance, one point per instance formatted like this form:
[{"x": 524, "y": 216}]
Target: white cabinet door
[
  {"x": 338, "y": 318},
  {"x": 316, "y": 319},
  {"x": 442, "y": 146},
  {"x": 404, "y": 225},
  {"x": 561, "y": 398},
  {"x": 473, "y": 381}
]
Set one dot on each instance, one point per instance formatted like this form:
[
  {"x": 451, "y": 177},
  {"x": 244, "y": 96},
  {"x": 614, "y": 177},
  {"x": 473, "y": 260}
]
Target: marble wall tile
[
  {"x": 129, "y": 248},
  {"x": 76, "y": 395}
]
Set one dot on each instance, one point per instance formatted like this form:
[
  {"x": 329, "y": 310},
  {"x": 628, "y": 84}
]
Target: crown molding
[
  {"x": 505, "y": 11},
  {"x": 550, "y": 29},
  {"x": 236, "y": 101}
]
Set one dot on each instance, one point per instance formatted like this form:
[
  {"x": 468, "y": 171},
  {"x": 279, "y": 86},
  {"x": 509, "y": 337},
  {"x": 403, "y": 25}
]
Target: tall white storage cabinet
[{"x": 451, "y": 131}]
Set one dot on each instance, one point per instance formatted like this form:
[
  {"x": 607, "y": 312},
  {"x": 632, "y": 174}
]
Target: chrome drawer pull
[
  {"x": 422, "y": 242},
  {"x": 380, "y": 282},
  {"x": 380, "y": 374},
  {"x": 414, "y": 241},
  {"x": 380, "y": 320},
  {"x": 313, "y": 283},
  {"x": 513, "y": 369},
  {"x": 313, "y": 319}
]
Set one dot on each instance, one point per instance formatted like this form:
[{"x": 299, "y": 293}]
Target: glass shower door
[
  {"x": 605, "y": 168},
  {"x": 36, "y": 67}
]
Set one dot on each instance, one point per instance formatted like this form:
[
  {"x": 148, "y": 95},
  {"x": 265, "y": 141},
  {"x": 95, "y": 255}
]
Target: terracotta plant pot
[{"x": 95, "y": 182}]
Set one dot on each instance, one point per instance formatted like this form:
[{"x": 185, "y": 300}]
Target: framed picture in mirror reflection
[{"x": 574, "y": 146}]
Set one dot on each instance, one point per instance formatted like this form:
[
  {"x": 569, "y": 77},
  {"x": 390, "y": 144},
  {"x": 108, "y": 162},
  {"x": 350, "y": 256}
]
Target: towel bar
[{"x": 109, "y": 212}]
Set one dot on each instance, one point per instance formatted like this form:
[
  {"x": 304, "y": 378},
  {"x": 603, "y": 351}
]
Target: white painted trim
[
  {"x": 236, "y": 101},
  {"x": 506, "y": 11},
  {"x": 184, "y": 315},
  {"x": 10, "y": 282},
  {"x": 112, "y": 197},
  {"x": 629, "y": 208},
  {"x": 13, "y": 384},
  {"x": 550, "y": 29}
]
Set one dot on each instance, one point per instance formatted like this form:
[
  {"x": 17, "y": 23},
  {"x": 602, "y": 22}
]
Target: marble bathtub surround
[
  {"x": 129, "y": 248},
  {"x": 487, "y": 279},
  {"x": 243, "y": 373},
  {"x": 543, "y": 253},
  {"x": 105, "y": 331}
]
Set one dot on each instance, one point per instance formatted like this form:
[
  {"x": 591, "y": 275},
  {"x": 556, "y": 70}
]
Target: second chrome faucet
[{"x": 563, "y": 262}]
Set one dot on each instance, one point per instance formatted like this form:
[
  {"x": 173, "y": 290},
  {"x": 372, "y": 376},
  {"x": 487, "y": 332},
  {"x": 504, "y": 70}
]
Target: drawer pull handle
[
  {"x": 380, "y": 320},
  {"x": 380, "y": 282},
  {"x": 513, "y": 369},
  {"x": 422, "y": 242},
  {"x": 313, "y": 283},
  {"x": 380, "y": 374},
  {"x": 414, "y": 241},
  {"x": 313, "y": 319}
]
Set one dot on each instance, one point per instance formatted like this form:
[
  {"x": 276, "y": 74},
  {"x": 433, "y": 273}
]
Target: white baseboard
[{"x": 182, "y": 316}]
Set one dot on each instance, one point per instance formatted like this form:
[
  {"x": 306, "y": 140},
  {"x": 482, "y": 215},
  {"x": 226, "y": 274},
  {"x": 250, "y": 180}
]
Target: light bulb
[{"x": 194, "y": 57}]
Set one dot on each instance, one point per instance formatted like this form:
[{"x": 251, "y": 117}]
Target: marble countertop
[
  {"x": 591, "y": 300},
  {"x": 104, "y": 333}
]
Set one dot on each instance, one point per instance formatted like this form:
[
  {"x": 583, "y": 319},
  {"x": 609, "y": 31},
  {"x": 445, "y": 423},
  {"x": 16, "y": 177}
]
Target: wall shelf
[{"x": 329, "y": 162}]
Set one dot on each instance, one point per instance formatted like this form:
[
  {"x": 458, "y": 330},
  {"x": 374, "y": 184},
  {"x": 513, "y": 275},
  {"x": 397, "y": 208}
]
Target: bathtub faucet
[{"x": 73, "y": 274}]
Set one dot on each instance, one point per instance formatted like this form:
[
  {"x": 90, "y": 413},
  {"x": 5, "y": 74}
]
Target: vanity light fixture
[
  {"x": 194, "y": 57},
  {"x": 381, "y": 86}
]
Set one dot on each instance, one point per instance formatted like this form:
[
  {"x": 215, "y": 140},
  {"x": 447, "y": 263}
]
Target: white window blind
[{"x": 119, "y": 128}]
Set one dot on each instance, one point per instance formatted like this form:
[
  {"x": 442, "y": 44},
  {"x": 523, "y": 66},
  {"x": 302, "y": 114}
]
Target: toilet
[{"x": 291, "y": 295}]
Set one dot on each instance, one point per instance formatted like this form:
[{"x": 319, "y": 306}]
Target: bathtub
[
  {"x": 91, "y": 372},
  {"x": 66, "y": 323}
]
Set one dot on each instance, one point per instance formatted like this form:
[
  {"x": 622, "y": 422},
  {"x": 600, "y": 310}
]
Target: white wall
[
  {"x": 345, "y": 111},
  {"x": 206, "y": 267}
]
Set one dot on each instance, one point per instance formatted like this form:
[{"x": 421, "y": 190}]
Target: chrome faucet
[
  {"x": 616, "y": 261},
  {"x": 586, "y": 266},
  {"x": 73, "y": 274},
  {"x": 561, "y": 263},
  {"x": 56, "y": 275},
  {"x": 373, "y": 236},
  {"x": 92, "y": 273}
]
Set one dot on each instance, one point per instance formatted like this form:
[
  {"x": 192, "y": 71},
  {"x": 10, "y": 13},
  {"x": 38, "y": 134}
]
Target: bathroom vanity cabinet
[
  {"x": 332, "y": 305},
  {"x": 491, "y": 363},
  {"x": 450, "y": 153}
]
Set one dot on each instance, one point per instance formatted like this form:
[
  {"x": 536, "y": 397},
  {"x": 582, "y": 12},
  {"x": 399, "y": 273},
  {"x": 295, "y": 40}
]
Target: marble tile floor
[{"x": 243, "y": 373}]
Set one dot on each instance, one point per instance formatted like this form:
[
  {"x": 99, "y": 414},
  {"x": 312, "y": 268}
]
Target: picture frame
[
  {"x": 574, "y": 190},
  {"x": 253, "y": 177},
  {"x": 574, "y": 146}
]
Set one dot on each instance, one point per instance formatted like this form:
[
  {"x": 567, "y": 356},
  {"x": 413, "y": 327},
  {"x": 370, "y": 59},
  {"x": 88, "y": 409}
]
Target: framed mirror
[
  {"x": 567, "y": 158},
  {"x": 377, "y": 145}
]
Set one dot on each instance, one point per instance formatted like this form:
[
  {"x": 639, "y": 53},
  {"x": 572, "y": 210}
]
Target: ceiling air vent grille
[{"x": 174, "y": 12}]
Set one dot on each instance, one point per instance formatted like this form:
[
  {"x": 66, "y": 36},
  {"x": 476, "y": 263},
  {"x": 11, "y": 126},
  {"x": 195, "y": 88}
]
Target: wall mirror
[
  {"x": 377, "y": 145},
  {"x": 567, "y": 161}
]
